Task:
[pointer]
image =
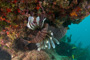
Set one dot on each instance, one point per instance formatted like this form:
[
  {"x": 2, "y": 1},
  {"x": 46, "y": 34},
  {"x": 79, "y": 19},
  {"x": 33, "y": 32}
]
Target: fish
[
  {"x": 73, "y": 57},
  {"x": 73, "y": 47}
]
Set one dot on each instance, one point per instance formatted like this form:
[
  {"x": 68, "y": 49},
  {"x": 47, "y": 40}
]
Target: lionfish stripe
[
  {"x": 52, "y": 43},
  {"x": 38, "y": 44},
  {"x": 36, "y": 40},
  {"x": 28, "y": 26},
  {"x": 39, "y": 39},
  {"x": 43, "y": 22},
  {"x": 56, "y": 40},
  {"x": 44, "y": 30},
  {"x": 37, "y": 20},
  {"x": 49, "y": 46},
  {"x": 32, "y": 26},
  {"x": 43, "y": 35},
  {"x": 44, "y": 44}
]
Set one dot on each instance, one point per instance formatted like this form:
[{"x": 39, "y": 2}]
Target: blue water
[{"x": 80, "y": 33}]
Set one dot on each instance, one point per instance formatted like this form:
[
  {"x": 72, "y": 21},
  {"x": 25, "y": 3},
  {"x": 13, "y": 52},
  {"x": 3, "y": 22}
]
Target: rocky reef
[
  {"x": 32, "y": 55},
  {"x": 30, "y": 25}
]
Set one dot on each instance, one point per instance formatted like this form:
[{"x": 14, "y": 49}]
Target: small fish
[
  {"x": 73, "y": 57},
  {"x": 0, "y": 45},
  {"x": 73, "y": 47}
]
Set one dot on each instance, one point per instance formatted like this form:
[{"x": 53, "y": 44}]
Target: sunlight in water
[{"x": 80, "y": 32}]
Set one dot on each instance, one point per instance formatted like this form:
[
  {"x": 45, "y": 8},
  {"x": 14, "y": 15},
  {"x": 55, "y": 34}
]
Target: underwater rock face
[
  {"x": 20, "y": 45},
  {"x": 56, "y": 13},
  {"x": 4, "y": 55},
  {"x": 37, "y": 55}
]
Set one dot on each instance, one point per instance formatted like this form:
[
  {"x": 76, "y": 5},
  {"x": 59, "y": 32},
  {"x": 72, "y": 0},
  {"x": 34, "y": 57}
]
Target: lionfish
[{"x": 44, "y": 38}]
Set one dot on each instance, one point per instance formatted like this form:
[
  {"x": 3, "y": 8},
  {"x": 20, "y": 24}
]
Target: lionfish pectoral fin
[
  {"x": 52, "y": 42},
  {"x": 56, "y": 41},
  {"x": 48, "y": 43}
]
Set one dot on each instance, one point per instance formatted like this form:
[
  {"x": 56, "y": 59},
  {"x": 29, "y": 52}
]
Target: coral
[
  {"x": 37, "y": 55},
  {"x": 61, "y": 10},
  {"x": 28, "y": 24}
]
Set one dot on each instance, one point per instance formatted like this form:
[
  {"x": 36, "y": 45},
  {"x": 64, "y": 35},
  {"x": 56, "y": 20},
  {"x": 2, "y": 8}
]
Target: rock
[{"x": 37, "y": 55}]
